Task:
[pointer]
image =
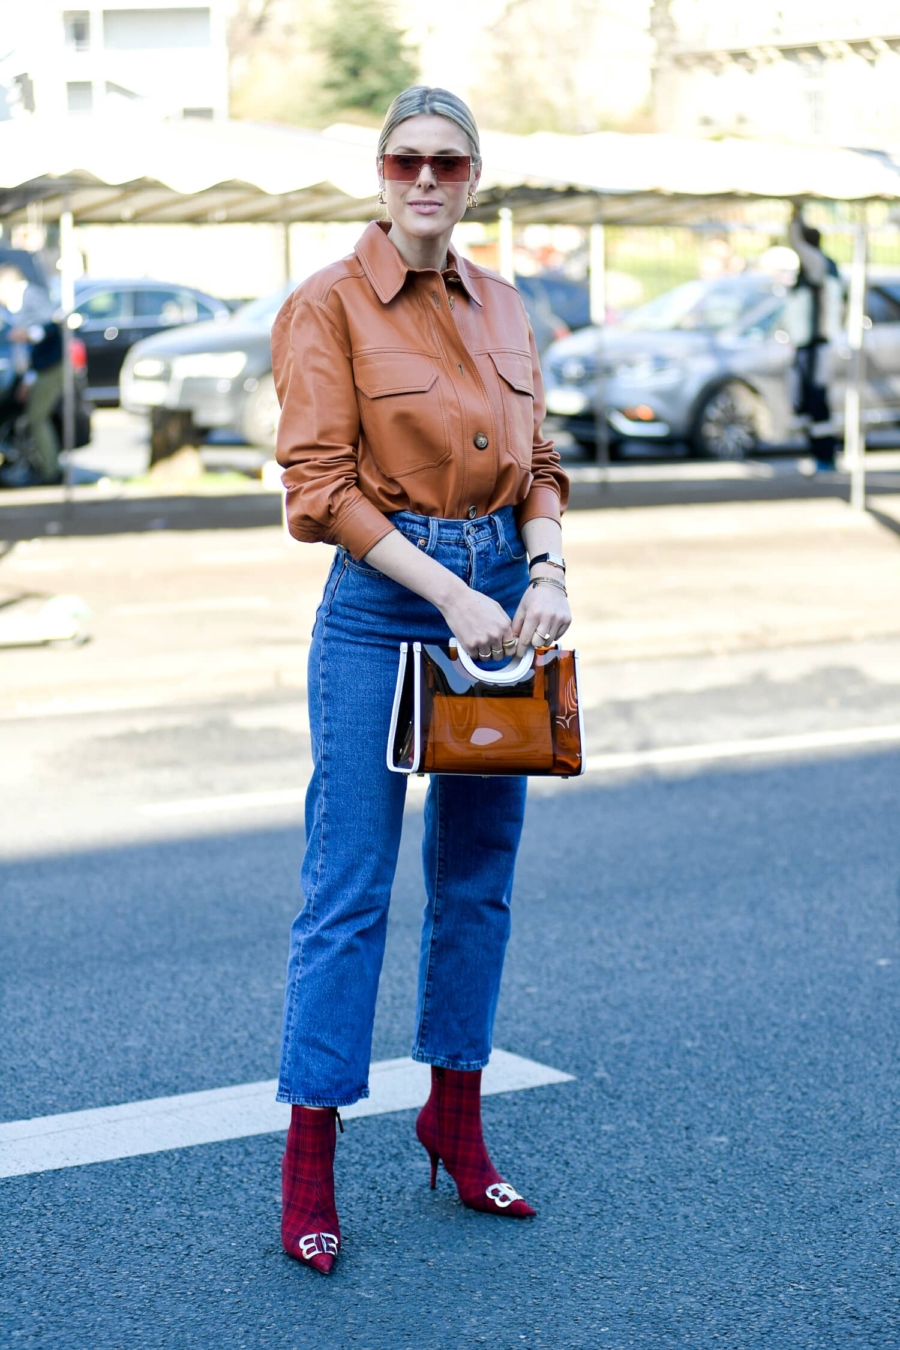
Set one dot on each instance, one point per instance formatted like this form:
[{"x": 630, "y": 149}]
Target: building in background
[
  {"x": 168, "y": 58},
  {"x": 802, "y": 70}
]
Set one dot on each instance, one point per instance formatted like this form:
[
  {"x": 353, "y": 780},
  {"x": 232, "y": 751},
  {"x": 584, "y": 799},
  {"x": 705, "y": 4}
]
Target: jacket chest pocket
[
  {"x": 401, "y": 411},
  {"x": 516, "y": 383}
]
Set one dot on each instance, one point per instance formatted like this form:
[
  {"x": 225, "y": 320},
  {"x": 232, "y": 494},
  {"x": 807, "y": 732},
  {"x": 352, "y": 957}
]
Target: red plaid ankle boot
[
  {"x": 309, "y": 1223},
  {"x": 449, "y": 1127}
]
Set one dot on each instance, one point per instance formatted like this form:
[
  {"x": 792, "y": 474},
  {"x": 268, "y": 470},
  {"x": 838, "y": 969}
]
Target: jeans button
[{"x": 472, "y": 512}]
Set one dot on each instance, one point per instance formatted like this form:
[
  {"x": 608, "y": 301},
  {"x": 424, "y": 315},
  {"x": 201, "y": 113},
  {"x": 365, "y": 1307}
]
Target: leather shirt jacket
[{"x": 405, "y": 390}]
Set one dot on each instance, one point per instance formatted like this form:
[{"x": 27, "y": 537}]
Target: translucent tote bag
[{"x": 450, "y": 716}]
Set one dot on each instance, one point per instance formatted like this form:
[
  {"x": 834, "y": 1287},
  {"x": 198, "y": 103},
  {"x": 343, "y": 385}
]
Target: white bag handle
[{"x": 510, "y": 674}]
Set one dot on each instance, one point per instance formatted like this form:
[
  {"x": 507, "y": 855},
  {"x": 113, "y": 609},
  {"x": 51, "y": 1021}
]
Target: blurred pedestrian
[
  {"x": 817, "y": 323},
  {"x": 410, "y": 435},
  {"x": 27, "y": 311}
]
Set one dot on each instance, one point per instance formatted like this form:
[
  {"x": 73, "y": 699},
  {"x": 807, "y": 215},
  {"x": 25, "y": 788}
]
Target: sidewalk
[{"x": 196, "y": 616}]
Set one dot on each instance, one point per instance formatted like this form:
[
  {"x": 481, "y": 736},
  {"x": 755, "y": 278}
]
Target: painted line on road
[
  {"x": 744, "y": 749},
  {"x": 616, "y": 762},
  {"x": 49, "y": 1143}
]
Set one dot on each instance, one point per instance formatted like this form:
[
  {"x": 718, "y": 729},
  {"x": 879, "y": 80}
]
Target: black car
[{"x": 113, "y": 315}]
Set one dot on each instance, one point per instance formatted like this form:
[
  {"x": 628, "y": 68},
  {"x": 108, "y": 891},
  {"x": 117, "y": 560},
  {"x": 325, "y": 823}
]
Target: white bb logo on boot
[
  {"x": 318, "y": 1244},
  {"x": 502, "y": 1194}
]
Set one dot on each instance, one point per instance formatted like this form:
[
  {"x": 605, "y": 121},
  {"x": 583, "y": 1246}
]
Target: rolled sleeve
[
  {"x": 318, "y": 430},
  {"x": 548, "y": 495}
]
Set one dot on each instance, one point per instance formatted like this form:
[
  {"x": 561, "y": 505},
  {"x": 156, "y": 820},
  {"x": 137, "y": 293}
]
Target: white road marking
[
  {"x": 48, "y": 1143},
  {"x": 235, "y": 801},
  {"x": 763, "y": 745},
  {"x": 616, "y": 762},
  {"x": 209, "y": 605}
]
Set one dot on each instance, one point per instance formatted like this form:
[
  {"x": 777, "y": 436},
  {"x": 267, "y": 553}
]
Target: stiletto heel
[{"x": 449, "y": 1129}]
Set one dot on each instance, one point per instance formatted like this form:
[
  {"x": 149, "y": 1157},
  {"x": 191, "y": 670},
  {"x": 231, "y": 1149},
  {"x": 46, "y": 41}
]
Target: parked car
[
  {"x": 214, "y": 375},
  {"x": 10, "y": 408},
  {"x": 113, "y": 315},
  {"x": 569, "y": 300},
  {"x": 710, "y": 363}
]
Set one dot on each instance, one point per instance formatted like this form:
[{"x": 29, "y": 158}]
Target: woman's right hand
[{"x": 480, "y": 624}]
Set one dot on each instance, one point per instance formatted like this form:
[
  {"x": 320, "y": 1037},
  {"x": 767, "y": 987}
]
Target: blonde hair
[{"x": 418, "y": 99}]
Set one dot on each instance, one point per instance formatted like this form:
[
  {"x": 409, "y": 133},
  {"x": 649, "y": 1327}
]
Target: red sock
[
  {"x": 309, "y": 1223},
  {"x": 449, "y": 1127}
]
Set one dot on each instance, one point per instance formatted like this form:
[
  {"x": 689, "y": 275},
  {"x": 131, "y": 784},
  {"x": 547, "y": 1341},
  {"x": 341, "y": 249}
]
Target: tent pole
[
  {"x": 854, "y": 443},
  {"x": 597, "y": 273},
  {"x": 507, "y": 268},
  {"x": 67, "y": 305},
  {"x": 597, "y": 284},
  {"x": 286, "y": 250}
]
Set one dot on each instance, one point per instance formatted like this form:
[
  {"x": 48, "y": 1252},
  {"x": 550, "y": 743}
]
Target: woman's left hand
[{"x": 542, "y": 617}]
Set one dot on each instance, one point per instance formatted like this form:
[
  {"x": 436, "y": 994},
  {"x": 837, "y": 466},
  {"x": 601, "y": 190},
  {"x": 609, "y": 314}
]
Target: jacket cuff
[
  {"x": 360, "y": 528},
  {"x": 541, "y": 501}
]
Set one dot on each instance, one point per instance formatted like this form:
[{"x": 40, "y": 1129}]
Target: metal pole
[
  {"x": 67, "y": 304},
  {"x": 286, "y": 250},
  {"x": 597, "y": 285},
  {"x": 507, "y": 268},
  {"x": 854, "y": 441}
]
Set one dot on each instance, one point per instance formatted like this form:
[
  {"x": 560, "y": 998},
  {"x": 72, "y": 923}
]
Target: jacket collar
[{"x": 387, "y": 271}]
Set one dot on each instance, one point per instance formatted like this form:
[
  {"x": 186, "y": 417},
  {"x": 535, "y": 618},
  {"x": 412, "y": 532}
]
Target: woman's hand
[
  {"x": 481, "y": 625},
  {"x": 542, "y": 617}
]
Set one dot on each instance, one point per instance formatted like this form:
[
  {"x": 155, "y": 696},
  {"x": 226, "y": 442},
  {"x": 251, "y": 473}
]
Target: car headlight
[
  {"x": 210, "y": 365},
  {"x": 659, "y": 369},
  {"x": 148, "y": 368}
]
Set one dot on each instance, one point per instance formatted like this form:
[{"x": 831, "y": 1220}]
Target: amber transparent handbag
[{"x": 450, "y": 716}]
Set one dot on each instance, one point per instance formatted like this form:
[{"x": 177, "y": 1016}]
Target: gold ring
[
  {"x": 509, "y": 642},
  {"x": 483, "y": 656},
  {"x": 496, "y": 653},
  {"x": 545, "y": 637}
]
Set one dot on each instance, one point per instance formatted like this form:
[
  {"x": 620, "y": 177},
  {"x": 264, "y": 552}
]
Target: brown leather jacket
[{"x": 408, "y": 391}]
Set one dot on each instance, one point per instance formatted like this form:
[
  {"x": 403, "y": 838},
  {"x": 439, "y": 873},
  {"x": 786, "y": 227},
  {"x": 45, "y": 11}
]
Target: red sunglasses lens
[{"x": 446, "y": 168}]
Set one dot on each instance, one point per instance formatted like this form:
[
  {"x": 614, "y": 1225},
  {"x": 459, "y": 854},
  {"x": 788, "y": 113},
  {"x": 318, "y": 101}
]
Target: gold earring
[
  {"x": 471, "y": 200},
  {"x": 382, "y": 198}
]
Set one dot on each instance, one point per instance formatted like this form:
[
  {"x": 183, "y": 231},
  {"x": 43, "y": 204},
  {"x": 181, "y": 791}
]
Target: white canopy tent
[{"x": 129, "y": 170}]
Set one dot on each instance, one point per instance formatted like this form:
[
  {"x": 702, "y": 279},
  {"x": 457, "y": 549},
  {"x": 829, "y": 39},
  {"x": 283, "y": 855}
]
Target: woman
[{"x": 411, "y": 407}]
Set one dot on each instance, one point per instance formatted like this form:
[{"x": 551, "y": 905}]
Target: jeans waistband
[{"x": 495, "y": 527}]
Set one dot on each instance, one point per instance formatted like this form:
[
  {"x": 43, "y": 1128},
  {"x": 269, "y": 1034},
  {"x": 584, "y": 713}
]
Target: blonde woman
[{"x": 410, "y": 436}]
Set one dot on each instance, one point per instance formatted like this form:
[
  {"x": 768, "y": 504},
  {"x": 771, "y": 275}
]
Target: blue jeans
[{"x": 354, "y": 812}]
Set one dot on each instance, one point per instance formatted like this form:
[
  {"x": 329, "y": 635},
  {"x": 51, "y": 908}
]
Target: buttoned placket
[{"x": 479, "y": 473}]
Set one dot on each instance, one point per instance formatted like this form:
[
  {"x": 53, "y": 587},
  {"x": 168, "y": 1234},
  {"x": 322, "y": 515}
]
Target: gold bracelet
[{"x": 549, "y": 581}]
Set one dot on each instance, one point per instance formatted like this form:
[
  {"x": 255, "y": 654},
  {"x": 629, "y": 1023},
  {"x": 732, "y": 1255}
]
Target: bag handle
[{"x": 511, "y": 673}]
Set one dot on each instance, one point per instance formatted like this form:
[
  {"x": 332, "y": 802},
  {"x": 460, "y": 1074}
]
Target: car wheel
[
  {"x": 729, "y": 422},
  {"x": 259, "y": 420},
  {"x": 169, "y": 431}
]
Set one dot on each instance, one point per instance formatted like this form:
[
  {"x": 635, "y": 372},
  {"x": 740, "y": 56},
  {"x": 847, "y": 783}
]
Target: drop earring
[
  {"x": 382, "y": 198},
  {"x": 471, "y": 200}
]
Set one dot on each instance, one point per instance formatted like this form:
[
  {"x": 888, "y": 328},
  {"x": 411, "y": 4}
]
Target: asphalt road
[
  {"x": 713, "y": 954},
  {"x": 712, "y": 951}
]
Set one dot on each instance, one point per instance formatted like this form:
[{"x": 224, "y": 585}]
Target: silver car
[{"x": 710, "y": 363}]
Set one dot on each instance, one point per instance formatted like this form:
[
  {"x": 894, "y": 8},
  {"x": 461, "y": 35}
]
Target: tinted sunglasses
[{"x": 446, "y": 168}]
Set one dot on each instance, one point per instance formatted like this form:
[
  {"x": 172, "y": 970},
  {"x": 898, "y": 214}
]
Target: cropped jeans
[{"x": 354, "y": 812}]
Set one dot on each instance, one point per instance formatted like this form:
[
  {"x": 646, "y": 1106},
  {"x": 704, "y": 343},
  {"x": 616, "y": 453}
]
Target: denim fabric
[{"x": 354, "y": 811}]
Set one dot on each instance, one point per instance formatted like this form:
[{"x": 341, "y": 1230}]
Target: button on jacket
[{"x": 406, "y": 390}]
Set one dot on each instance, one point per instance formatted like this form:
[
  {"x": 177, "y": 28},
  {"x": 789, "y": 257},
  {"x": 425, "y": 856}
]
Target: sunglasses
[{"x": 446, "y": 168}]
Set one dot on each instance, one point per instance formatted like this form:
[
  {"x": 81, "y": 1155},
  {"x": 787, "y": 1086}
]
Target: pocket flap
[
  {"x": 515, "y": 369},
  {"x": 393, "y": 373}
]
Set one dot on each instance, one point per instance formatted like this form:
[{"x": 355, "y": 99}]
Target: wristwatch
[{"x": 552, "y": 559}]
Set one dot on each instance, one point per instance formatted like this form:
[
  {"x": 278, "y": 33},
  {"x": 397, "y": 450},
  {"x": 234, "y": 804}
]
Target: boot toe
[{"x": 322, "y": 1262}]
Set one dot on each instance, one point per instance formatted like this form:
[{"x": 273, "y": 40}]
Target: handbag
[{"x": 450, "y": 716}]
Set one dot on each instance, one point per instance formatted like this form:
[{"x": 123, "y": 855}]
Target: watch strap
[{"x": 552, "y": 560}]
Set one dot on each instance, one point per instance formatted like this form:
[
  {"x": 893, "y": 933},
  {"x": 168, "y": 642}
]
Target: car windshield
[
  {"x": 708, "y": 305},
  {"x": 263, "y": 310}
]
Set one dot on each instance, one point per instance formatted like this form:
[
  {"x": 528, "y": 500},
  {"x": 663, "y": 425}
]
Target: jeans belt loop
[{"x": 432, "y": 536}]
